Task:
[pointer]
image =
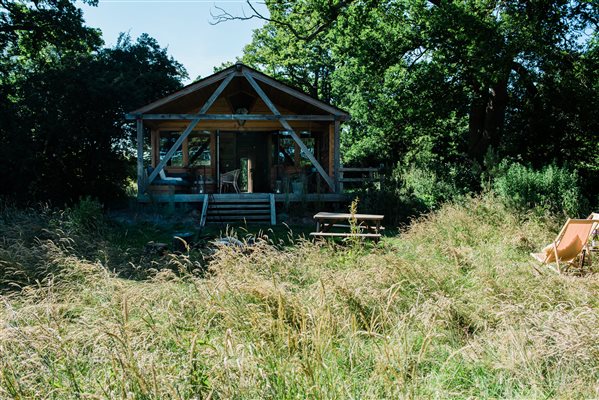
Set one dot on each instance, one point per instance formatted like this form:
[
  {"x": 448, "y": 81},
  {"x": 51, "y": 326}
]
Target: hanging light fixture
[{"x": 242, "y": 111}]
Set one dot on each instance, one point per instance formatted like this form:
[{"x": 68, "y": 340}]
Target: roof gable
[{"x": 193, "y": 96}]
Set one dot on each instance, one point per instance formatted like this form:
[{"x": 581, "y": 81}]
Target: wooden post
[
  {"x": 337, "y": 158},
  {"x": 190, "y": 127},
  {"x": 217, "y": 188},
  {"x": 140, "y": 157},
  {"x": 331, "y": 137},
  {"x": 185, "y": 148},
  {"x": 204, "y": 211},
  {"x": 288, "y": 127},
  {"x": 273, "y": 212},
  {"x": 155, "y": 147}
]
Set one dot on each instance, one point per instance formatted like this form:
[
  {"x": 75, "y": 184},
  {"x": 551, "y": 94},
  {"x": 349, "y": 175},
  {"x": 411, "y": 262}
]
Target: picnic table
[{"x": 369, "y": 225}]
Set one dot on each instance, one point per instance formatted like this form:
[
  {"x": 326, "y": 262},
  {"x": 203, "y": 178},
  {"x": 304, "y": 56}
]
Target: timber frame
[{"x": 281, "y": 108}]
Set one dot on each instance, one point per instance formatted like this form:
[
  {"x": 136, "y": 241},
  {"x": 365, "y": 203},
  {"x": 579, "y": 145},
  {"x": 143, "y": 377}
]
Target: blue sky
[{"x": 183, "y": 26}]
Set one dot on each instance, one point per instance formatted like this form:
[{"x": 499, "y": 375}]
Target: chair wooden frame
[{"x": 544, "y": 257}]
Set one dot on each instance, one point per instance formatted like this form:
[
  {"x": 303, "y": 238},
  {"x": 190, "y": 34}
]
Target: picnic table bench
[{"x": 369, "y": 225}]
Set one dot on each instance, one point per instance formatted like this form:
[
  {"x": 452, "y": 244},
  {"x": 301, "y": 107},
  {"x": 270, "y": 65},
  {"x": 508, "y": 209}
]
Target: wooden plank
[
  {"x": 188, "y": 130},
  {"x": 364, "y": 179},
  {"x": 312, "y": 197},
  {"x": 204, "y": 211},
  {"x": 185, "y": 151},
  {"x": 223, "y": 218},
  {"x": 335, "y": 216},
  {"x": 141, "y": 185},
  {"x": 342, "y": 234},
  {"x": 273, "y": 213},
  {"x": 337, "y": 158},
  {"x": 288, "y": 127},
  {"x": 280, "y": 198},
  {"x": 260, "y": 205},
  {"x": 351, "y": 169},
  {"x": 231, "y": 117},
  {"x": 154, "y": 147},
  {"x": 380, "y": 228},
  {"x": 263, "y": 127},
  {"x": 217, "y": 158},
  {"x": 262, "y": 201},
  {"x": 331, "y": 152},
  {"x": 240, "y": 197},
  {"x": 239, "y": 211}
]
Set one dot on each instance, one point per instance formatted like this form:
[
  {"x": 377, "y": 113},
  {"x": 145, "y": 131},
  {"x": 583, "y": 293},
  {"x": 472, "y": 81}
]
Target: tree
[
  {"x": 64, "y": 98},
  {"x": 445, "y": 82},
  {"x": 76, "y": 147},
  {"x": 305, "y": 65},
  {"x": 38, "y": 32}
]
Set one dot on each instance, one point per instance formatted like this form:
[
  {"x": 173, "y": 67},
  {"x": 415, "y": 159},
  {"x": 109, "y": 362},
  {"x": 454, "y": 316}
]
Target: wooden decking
[{"x": 279, "y": 198}]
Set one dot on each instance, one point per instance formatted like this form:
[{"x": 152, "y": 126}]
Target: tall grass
[{"x": 449, "y": 308}]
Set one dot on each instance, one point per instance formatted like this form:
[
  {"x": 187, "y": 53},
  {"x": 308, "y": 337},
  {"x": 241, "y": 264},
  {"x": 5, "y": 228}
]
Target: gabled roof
[{"x": 195, "y": 94}]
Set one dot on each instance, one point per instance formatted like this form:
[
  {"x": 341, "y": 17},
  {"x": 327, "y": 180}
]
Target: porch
[
  {"x": 278, "y": 197},
  {"x": 238, "y": 131},
  {"x": 210, "y": 160}
]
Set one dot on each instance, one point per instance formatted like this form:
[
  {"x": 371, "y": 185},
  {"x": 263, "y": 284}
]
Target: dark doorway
[{"x": 240, "y": 150}]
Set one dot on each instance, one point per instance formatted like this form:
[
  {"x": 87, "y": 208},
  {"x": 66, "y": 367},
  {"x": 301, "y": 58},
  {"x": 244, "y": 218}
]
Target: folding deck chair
[{"x": 570, "y": 242}]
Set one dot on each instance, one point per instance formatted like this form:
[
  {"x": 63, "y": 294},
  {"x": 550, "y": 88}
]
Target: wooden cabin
[{"x": 238, "y": 125}]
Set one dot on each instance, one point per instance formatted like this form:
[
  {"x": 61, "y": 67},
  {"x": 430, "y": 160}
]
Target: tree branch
[
  {"x": 525, "y": 77},
  {"x": 307, "y": 35}
]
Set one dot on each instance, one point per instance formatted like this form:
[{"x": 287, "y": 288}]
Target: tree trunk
[{"x": 487, "y": 114}]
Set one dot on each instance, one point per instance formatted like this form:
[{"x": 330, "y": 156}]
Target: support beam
[
  {"x": 273, "y": 210},
  {"x": 155, "y": 147},
  {"x": 204, "y": 211},
  {"x": 302, "y": 96},
  {"x": 331, "y": 147},
  {"x": 140, "y": 156},
  {"x": 288, "y": 127},
  {"x": 231, "y": 117},
  {"x": 337, "y": 158},
  {"x": 190, "y": 127}
]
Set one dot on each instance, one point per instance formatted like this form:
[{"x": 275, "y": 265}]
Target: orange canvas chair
[{"x": 570, "y": 242}]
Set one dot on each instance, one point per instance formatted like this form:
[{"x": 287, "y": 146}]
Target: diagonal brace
[
  {"x": 189, "y": 128},
  {"x": 288, "y": 127}
]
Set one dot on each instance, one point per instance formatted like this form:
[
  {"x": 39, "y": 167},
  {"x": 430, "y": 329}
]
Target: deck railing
[{"x": 358, "y": 176}]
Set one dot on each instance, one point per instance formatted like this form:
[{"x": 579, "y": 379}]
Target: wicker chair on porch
[{"x": 230, "y": 178}]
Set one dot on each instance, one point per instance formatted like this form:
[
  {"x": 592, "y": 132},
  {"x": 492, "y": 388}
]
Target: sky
[{"x": 182, "y": 26}]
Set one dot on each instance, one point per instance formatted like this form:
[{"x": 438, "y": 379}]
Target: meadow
[{"x": 452, "y": 306}]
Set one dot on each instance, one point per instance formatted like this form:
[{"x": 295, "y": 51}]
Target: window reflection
[
  {"x": 199, "y": 149},
  {"x": 167, "y": 140}
]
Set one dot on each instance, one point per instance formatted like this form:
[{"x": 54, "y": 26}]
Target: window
[
  {"x": 198, "y": 149},
  {"x": 310, "y": 143},
  {"x": 167, "y": 140},
  {"x": 198, "y": 144},
  {"x": 284, "y": 149}
]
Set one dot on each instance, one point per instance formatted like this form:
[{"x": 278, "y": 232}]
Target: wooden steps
[{"x": 240, "y": 208}]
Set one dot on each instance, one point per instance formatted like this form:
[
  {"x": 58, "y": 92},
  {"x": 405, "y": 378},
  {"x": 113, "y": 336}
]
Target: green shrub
[
  {"x": 427, "y": 187},
  {"x": 554, "y": 189},
  {"x": 85, "y": 215},
  {"x": 413, "y": 190}
]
